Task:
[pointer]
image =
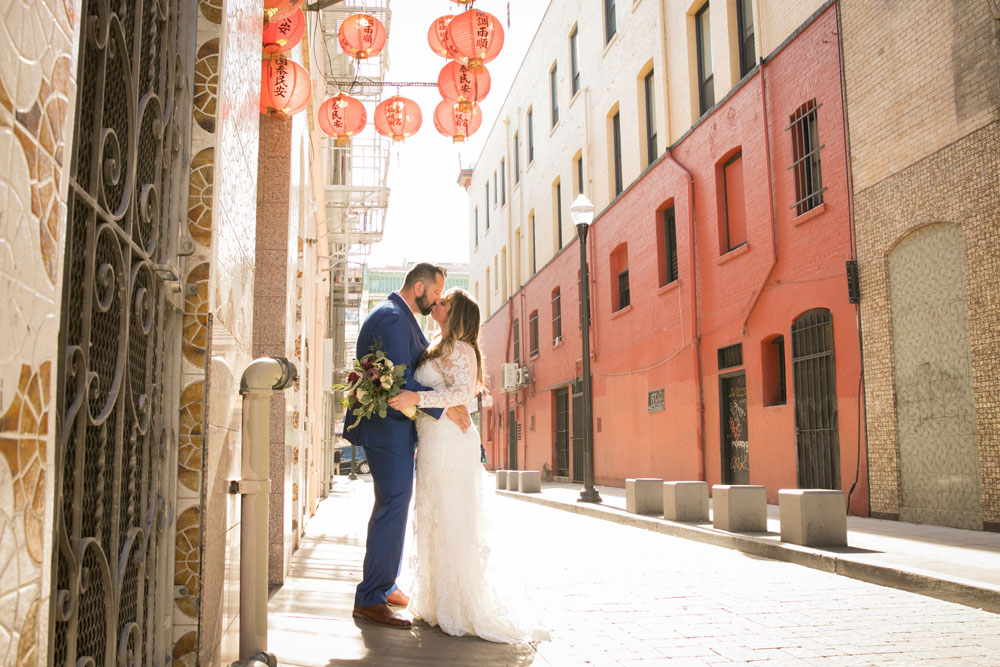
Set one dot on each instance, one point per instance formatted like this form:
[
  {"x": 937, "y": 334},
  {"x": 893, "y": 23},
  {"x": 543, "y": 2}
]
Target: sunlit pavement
[{"x": 615, "y": 594}]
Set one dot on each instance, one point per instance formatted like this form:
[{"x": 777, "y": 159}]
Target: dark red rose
[{"x": 353, "y": 377}]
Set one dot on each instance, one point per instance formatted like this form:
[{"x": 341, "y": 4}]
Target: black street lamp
[{"x": 582, "y": 214}]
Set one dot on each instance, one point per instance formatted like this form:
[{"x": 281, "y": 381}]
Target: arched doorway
[{"x": 815, "y": 377}]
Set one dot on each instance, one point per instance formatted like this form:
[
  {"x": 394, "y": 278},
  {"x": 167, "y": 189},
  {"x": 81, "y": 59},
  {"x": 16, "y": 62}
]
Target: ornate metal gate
[
  {"x": 815, "y": 379},
  {"x": 116, "y": 396}
]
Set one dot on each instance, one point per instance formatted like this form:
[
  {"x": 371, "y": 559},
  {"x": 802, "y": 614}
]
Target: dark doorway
[
  {"x": 562, "y": 432},
  {"x": 578, "y": 425},
  {"x": 735, "y": 432},
  {"x": 814, "y": 374},
  {"x": 512, "y": 440}
]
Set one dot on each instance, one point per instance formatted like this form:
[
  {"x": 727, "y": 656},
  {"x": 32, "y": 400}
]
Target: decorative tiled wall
[
  {"x": 218, "y": 294},
  {"x": 37, "y": 96}
]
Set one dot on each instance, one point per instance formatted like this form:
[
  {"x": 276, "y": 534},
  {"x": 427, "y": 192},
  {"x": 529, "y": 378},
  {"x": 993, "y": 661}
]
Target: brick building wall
[{"x": 925, "y": 144}]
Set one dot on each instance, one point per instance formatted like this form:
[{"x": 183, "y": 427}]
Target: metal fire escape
[{"x": 356, "y": 195}]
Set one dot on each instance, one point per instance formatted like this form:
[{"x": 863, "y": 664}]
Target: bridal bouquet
[{"x": 374, "y": 380}]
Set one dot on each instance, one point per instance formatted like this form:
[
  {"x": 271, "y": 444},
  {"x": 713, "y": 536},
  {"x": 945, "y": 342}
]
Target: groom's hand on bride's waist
[{"x": 460, "y": 415}]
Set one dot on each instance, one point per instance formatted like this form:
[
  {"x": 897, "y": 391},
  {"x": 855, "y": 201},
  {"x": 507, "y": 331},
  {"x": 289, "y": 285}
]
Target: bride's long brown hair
[{"x": 462, "y": 325}]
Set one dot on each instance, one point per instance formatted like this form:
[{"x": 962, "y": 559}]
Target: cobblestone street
[{"x": 620, "y": 595}]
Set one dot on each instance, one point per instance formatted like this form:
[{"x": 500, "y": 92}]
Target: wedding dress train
[{"x": 461, "y": 581}]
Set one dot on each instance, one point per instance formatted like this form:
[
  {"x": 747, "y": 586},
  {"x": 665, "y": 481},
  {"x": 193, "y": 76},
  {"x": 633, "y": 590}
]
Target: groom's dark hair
[{"x": 424, "y": 272}]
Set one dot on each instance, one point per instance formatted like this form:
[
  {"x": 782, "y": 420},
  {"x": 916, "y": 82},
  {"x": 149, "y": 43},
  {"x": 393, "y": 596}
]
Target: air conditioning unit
[
  {"x": 508, "y": 377},
  {"x": 524, "y": 376},
  {"x": 557, "y": 340}
]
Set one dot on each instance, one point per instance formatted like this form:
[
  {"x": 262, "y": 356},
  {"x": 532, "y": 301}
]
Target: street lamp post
[{"x": 582, "y": 213}]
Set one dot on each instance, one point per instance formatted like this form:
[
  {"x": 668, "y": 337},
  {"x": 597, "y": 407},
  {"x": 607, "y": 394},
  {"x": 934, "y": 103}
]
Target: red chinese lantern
[
  {"x": 437, "y": 34},
  {"x": 285, "y": 34},
  {"x": 459, "y": 125},
  {"x": 342, "y": 117},
  {"x": 362, "y": 36},
  {"x": 284, "y": 87},
  {"x": 397, "y": 117},
  {"x": 276, "y": 10},
  {"x": 474, "y": 37},
  {"x": 462, "y": 85}
]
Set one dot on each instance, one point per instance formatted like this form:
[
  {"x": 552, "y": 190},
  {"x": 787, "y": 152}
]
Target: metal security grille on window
[
  {"x": 730, "y": 357},
  {"x": 805, "y": 154},
  {"x": 116, "y": 458},
  {"x": 623, "y": 294},
  {"x": 556, "y": 318}
]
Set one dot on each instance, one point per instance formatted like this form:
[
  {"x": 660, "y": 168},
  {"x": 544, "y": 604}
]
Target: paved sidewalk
[{"x": 951, "y": 564}]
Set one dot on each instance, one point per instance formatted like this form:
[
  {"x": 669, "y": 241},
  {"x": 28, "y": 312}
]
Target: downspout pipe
[
  {"x": 770, "y": 201},
  {"x": 695, "y": 321},
  {"x": 261, "y": 378}
]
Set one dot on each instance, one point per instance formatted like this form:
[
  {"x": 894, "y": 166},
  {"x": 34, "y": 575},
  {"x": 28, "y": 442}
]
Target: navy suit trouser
[{"x": 392, "y": 471}]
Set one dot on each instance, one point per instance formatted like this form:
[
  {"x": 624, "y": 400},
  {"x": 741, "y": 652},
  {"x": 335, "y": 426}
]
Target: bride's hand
[{"x": 404, "y": 399}]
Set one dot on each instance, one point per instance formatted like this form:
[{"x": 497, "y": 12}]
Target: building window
[
  {"x": 610, "y": 27},
  {"x": 554, "y": 90},
  {"x": 475, "y": 224},
  {"x": 533, "y": 333},
  {"x": 517, "y": 160},
  {"x": 516, "y": 338},
  {"x": 557, "y": 193},
  {"x": 668, "y": 247},
  {"x": 495, "y": 188},
  {"x": 503, "y": 182},
  {"x": 556, "y": 317},
  {"x": 531, "y": 138},
  {"x": 531, "y": 221},
  {"x": 578, "y": 164},
  {"x": 616, "y": 142},
  {"x": 649, "y": 92},
  {"x": 703, "y": 40},
  {"x": 731, "y": 356},
  {"x": 805, "y": 153},
  {"x": 487, "y": 207},
  {"x": 735, "y": 207},
  {"x": 574, "y": 60},
  {"x": 772, "y": 356},
  {"x": 744, "y": 28},
  {"x": 620, "y": 297}
]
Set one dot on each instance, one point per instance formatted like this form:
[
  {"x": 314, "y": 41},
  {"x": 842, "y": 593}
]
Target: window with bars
[
  {"x": 516, "y": 341},
  {"x": 744, "y": 29},
  {"x": 533, "y": 333},
  {"x": 669, "y": 274},
  {"x": 556, "y": 317},
  {"x": 623, "y": 293},
  {"x": 731, "y": 356},
  {"x": 610, "y": 24},
  {"x": 649, "y": 92},
  {"x": 703, "y": 43},
  {"x": 574, "y": 60},
  {"x": 805, "y": 155},
  {"x": 554, "y": 92}
]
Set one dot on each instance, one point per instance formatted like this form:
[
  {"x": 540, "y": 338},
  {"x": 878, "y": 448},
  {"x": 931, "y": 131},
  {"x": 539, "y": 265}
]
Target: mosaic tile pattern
[
  {"x": 191, "y": 437},
  {"x": 187, "y": 573},
  {"x": 196, "y": 315},
  {"x": 37, "y": 95},
  {"x": 201, "y": 177},
  {"x": 206, "y": 85}
]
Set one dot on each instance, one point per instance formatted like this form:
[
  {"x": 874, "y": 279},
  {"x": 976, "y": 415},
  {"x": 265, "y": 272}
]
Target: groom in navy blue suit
[{"x": 390, "y": 442}]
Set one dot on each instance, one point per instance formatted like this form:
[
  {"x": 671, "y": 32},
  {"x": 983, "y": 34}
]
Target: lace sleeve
[{"x": 459, "y": 369}]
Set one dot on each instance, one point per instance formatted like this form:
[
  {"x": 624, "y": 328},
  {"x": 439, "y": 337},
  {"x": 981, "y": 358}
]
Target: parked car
[{"x": 342, "y": 460}]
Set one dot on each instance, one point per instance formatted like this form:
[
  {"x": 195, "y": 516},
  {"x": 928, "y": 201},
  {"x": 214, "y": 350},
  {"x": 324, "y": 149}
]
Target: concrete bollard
[
  {"x": 529, "y": 481},
  {"x": 502, "y": 480},
  {"x": 813, "y": 517},
  {"x": 685, "y": 501},
  {"x": 644, "y": 495},
  {"x": 739, "y": 508},
  {"x": 512, "y": 479}
]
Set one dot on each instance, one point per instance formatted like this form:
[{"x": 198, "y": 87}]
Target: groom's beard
[{"x": 424, "y": 305}]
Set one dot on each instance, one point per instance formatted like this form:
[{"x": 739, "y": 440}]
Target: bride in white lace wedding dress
[{"x": 460, "y": 582}]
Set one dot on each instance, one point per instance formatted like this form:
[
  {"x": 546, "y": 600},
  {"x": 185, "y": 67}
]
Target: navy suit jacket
[{"x": 393, "y": 323}]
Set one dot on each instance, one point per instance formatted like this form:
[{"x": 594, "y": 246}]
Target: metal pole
[
  {"x": 354, "y": 461},
  {"x": 589, "y": 493},
  {"x": 261, "y": 377}
]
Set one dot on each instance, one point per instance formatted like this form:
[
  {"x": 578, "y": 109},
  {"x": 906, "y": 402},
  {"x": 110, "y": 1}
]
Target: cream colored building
[{"x": 602, "y": 58}]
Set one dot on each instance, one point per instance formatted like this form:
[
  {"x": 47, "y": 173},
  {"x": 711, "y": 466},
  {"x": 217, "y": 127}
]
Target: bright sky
[{"x": 428, "y": 211}]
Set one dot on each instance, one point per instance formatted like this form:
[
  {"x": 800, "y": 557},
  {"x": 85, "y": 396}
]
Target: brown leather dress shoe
[
  {"x": 381, "y": 614},
  {"x": 397, "y": 598}
]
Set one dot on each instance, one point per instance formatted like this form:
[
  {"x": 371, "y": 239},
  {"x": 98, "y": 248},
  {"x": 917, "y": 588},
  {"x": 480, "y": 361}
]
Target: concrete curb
[{"x": 965, "y": 592}]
